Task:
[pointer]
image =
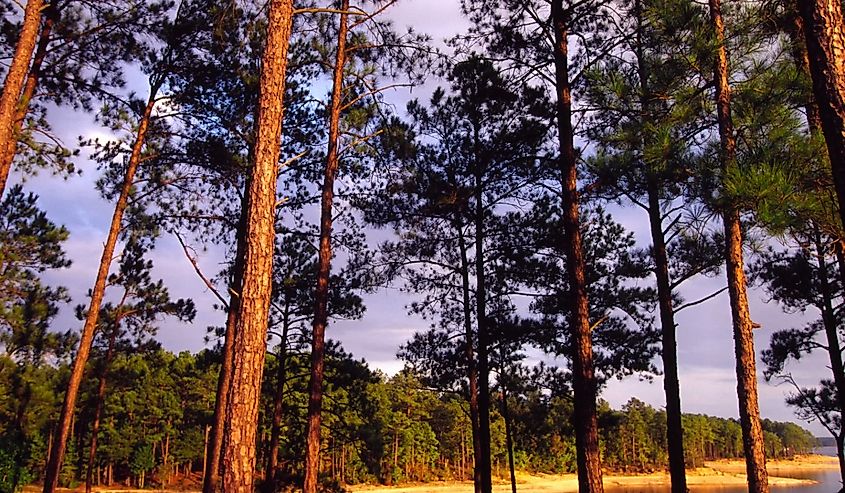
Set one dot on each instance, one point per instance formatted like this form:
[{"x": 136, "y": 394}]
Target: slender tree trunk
[
  {"x": 63, "y": 430},
  {"x": 583, "y": 375},
  {"x": 212, "y": 469},
  {"x": 321, "y": 295},
  {"x": 253, "y": 310},
  {"x": 278, "y": 407},
  {"x": 483, "y": 460},
  {"x": 15, "y": 80},
  {"x": 746, "y": 365},
  {"x": 834, "y": 346},
  {"x": 668, "y": 328},
  {"x": 824, "y": 30},
  {"x": 840, "y": 454},
  {"x": 98, "y": 411},
  {"x": 669, "y": 341},
  {"x": 469, "y": 355},
  {"x": 506, "y": 416}
]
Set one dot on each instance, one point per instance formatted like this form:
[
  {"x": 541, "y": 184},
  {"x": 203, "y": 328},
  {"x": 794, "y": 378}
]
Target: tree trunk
[
  {"x": 98, "y": 410},
  {"x": 7, "y": 155},
  {"x": 669, "y": 342},
  {"x": 583, "y": 375},
  {"x": 212, "y": 469},
  {"x": 469, "y": 354},
  {"x": 824, "y": 30},
  {"x": 743, "y": 327},
  {"x": 87, "y": 338},
  {"x": 506, "y": 416},
  {"x": 15, "y": 77},
  {"x": 483, "y": 459},
  {"x": 840, "y": 454},
  {"x": 668, "y": 328},
  {"x": 834, "y": 346},
  {"x": 249, "y": 346},
  {"x": 278, "y": 407},
  {"x": 321, "y": 295}
]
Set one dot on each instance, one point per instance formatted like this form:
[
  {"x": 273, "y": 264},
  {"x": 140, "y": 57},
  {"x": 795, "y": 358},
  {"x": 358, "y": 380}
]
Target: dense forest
[
  {"x": 378, "y": 429},
  {"x": 328, "y": 154}
]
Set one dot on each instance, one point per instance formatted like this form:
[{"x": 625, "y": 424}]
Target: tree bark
[
  {"x": 98, "y": 411},
  {"x": 253, "y": 310},
  {"x": 469, "y": 354},
  {"x": 212, "y": 469},
  {"x": 278, "y": 407},
  {"x": 7, "y": 154},
  {"x": 824, "y": 31},
  {"x": 669, "y": 343},
  {"x": 506, "y": 416},
  {"x": 668, "y": 327},
  {"x": 483, "y": 460},
  {"x": 831, "y": 330},
  {"x": 14, "y": 82},
  {"x": 743, "y": 327},
  {"x": 583, "y": 374},
  {"x": 321, "y": 294},
  {"x": 54, "y": 465}
]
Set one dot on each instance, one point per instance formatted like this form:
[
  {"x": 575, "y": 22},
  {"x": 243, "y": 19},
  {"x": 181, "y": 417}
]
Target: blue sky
[{"x": 705, "y": 344}]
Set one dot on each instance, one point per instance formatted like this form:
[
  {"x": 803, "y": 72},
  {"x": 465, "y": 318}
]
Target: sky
[{"x": 705, "y": 344}]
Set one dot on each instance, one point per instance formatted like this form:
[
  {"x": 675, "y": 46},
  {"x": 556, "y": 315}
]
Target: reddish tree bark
[
  {"x": 321, "y": 294},
  {"x": 253, "y": 311},
  {"x": 54, "y": 464},
  {"x": 824, "y": 32},
  {"x": 211, "y": 471},
  {"x": 15, "y": 81},
  {"x": 583, "y": 374},
  {"x": 743, "y": 326}
]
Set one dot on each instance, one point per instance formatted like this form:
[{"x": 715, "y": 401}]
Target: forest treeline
[
  {"x": 327, "y": 155},
  {"x": 378, "y": 429}
]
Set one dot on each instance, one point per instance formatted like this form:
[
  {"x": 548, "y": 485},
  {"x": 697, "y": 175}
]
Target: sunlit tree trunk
[
  {"x": 824, "y": 31},
  {"x": 583, "y": 374},
  {"x": 98, "y": 411},
  {"x": 249, "y": 346},
  {"x": 743, "y": 326},
  {"x": 57, "y": 453},
  {"x": 211, "y": 471},
  {"x": 321, "y": 295},
  {"x": 15, "y": 78}
]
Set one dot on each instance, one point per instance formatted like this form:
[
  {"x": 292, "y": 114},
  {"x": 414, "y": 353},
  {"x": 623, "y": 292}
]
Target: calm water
[{"x": 828, "y": 482}]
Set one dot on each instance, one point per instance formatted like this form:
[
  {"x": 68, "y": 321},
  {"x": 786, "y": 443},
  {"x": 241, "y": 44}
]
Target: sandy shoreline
[{"x": 717, "y": 473}]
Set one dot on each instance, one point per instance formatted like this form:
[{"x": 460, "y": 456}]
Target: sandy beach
[{"x": 717, "y": 473}]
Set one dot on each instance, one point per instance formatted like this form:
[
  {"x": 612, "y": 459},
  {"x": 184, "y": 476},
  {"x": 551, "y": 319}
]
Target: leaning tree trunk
[
  {"x": 583, "y": 374},
  {"x": 98, "y": 411},
  {"x": 249, "y": 346},
  {"x": 54, "y": 465},
  {"x": 321, "y": 295},
  {"x": 15, "y": 80},
  {"x": 469, "y": 355},
  {"x": 743, "y": 327},
  {"x": 669, "y": 343},
  {"x": 824, "y": 31},
  {"x": 7, "y": 154},
  {"x": 211, "y": 470}
]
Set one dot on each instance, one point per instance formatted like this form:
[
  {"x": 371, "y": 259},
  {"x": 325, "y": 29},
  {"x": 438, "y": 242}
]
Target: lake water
[{"x": 828, "y": 482}]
